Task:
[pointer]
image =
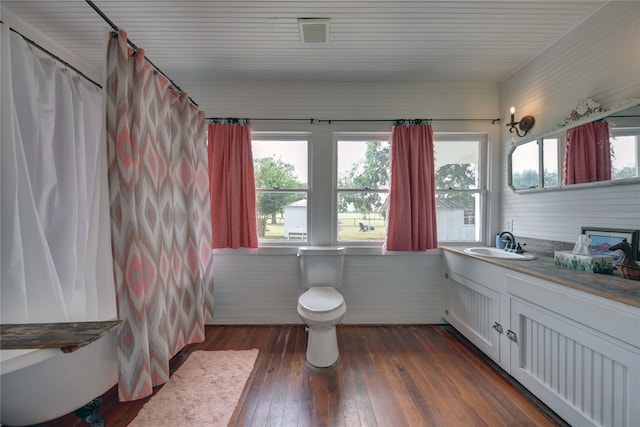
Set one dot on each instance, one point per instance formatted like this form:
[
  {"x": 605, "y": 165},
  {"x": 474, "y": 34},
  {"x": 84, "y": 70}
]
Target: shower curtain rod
[
  {"x": 133, "y": 45},
  {"x": 329, "y": 121},
  {"x": 234, "y": 119},
  {"x": 54, "y": 56}
]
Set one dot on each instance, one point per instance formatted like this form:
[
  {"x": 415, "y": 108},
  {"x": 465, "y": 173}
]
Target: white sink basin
[{"x": 495, "y": 253}]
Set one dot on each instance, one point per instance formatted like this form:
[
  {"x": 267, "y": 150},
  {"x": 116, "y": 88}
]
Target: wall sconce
[{"x": 525, "y": 124}]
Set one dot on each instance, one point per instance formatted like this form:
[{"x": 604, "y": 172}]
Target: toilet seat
[{"x": 321, "y": 299}]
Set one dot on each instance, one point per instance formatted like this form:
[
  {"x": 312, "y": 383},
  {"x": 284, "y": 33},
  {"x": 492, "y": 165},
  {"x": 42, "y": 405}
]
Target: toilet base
[{"x": 322, "y": 346}]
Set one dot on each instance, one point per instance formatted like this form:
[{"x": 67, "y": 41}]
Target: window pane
[
  {"x": 623, "y": 160},
  {"x": 280, "y": 164},
  {"x": 282, "y": 215},
  {"x": 524, "y": 166},
  {"x": 550, "y": 162},
  {"x": 361, "y": 215},
  {"x": 456, "y": 164},
  {"x": 458, "y": 216},
  {"x": 363, "y": 164}
]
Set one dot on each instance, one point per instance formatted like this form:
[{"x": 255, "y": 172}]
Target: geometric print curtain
[{"x": 160, "y": 218}]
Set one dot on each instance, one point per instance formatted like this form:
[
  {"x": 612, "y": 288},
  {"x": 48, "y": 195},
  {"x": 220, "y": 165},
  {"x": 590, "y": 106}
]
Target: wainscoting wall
[{"x": 378, "y": 289}]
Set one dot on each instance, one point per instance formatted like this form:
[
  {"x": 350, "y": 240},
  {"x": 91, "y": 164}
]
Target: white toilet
[{"x": 321, "y": 307}]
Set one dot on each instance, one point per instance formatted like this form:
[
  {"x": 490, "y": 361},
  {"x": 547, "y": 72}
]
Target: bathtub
[{"x": 44, "y": 384}]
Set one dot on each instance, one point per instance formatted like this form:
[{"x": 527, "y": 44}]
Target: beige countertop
[{"x": 611, "y": 286}]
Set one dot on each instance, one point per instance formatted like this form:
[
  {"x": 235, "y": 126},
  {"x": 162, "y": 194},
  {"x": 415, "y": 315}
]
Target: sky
[{"x": 295, "y": 153}]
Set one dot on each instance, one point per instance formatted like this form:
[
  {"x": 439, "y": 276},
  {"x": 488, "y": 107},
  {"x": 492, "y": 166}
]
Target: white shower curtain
[{"x": 56, "y": 254}]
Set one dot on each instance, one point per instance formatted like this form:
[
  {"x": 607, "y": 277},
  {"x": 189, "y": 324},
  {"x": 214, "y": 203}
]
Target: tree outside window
[
  {"x": 280, "y": 172},
  {"x": 363, "y": 190}
]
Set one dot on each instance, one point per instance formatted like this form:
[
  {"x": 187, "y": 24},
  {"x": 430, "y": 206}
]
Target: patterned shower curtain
[{"x": 160, "y": 219}]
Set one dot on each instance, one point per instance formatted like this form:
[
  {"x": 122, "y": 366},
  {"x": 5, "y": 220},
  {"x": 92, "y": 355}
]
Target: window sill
[{"x": 351, "y": 251}]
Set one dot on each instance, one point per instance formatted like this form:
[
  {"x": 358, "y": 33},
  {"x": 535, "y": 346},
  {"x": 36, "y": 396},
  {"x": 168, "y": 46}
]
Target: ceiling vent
[{"x": 314, "y": 30}]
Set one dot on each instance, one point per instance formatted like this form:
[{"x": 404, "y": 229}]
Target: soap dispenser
[{"x": 501, "y": 241}]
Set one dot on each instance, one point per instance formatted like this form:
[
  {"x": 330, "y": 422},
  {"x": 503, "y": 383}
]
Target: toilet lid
[{"x": 321, "y": 299}]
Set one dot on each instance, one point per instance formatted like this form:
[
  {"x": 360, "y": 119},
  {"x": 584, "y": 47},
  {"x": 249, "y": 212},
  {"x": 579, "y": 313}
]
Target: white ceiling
[{"x": 375, "y": 41}]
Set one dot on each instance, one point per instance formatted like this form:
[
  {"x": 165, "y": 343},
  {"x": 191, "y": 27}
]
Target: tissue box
[{"x": 591, "y": 263}]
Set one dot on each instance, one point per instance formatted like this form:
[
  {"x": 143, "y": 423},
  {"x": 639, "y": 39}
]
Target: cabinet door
[
  {"x": 583, "y": 375},
  {"x": 474, "y": 310}
]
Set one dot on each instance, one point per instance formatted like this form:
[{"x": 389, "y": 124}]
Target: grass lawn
[{"x": 348, "y": 228}]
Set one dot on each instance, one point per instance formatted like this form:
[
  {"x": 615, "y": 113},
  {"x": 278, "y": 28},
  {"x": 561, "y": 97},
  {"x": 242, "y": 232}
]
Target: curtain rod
[
  {"x": 54, "y": 56},
  {"x": 493, "y": 121},
  {"x": 133, "y": 45},
  {"x": 312, "y": 121}
]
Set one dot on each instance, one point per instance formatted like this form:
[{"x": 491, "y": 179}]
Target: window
[
  {"x": 550, "y": 160},
  {"x": 460, "y": 187},
  {"x": 350, "y": 208},
  {"x": 625, "y": 155},
  {"x": 282, "y": 184},
  {"x": 362, "y": 186},
  {"x": 469, "y": 216}
]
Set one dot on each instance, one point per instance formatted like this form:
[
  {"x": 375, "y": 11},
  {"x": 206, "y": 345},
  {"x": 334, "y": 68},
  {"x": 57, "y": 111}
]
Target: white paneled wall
[
  {"x": 264, "y": 289},
  {"x": 392, "y": 289},
  {"x": 599, "y": 59},
  {"x": 559, "y": 215},
  {"x": 33, "y": 33},
  {"x": 256, "y": 289},
  {"x": 340, "y": 100}
]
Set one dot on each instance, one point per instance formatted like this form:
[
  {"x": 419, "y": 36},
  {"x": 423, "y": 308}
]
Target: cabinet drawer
[{"x": 600, "y": 314}]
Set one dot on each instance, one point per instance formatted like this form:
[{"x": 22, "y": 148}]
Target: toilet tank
[{"x": 321, "y": 265}]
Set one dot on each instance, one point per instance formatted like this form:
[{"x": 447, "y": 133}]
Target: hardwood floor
[{"x": 386, "y": 376}]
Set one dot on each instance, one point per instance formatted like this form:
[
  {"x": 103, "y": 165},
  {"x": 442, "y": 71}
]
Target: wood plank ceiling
[{"x": 376, "y": 41}]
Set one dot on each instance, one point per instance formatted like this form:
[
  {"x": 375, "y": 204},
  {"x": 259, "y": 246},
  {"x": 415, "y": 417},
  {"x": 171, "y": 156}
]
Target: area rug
[{"x": 204, "y": 391}]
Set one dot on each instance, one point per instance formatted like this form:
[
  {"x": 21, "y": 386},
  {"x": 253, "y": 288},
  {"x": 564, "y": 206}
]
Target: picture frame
[{"x": 603, "y": 238}]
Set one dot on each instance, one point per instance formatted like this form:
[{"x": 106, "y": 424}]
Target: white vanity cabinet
[
  {"x": 472, "y": 291},
  {"x": 577, "y": 352}
]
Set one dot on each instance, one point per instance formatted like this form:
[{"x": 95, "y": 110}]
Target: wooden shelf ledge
[{"x": 68, "y": 336}]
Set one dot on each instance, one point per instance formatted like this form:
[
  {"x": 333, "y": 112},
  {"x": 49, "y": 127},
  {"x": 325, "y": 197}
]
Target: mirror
[{"x": 536, "y": 164}]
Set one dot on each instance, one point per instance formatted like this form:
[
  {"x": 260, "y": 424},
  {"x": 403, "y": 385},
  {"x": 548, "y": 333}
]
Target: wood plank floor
[{"x": 386, "y": 376}]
